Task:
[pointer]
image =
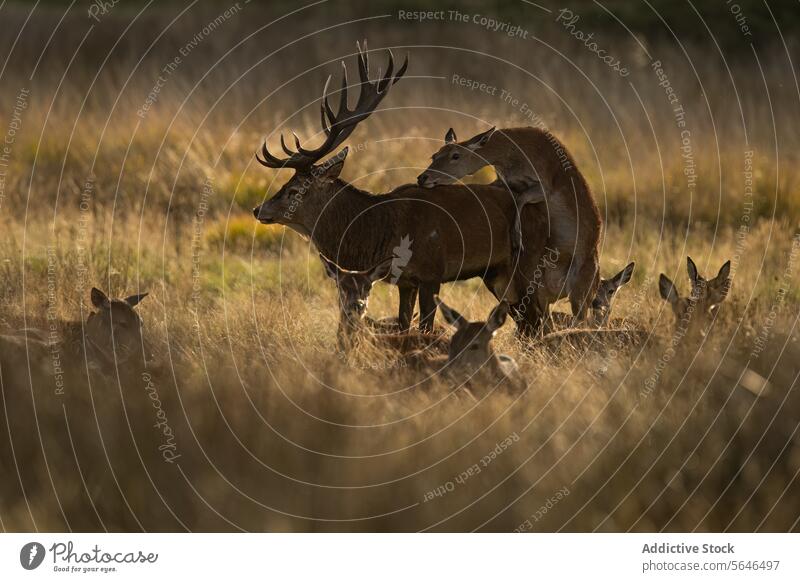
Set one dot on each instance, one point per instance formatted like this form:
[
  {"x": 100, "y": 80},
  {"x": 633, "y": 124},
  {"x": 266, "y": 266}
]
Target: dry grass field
[{"x": 129, "y": 165}]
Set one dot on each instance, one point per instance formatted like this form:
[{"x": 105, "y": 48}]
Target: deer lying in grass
[
  {"x": 470, "y": 358},
  {"x": 354, "y": 288},
  {"x": 601, "y": 305},
  {"x": 608, "y": 332},
  {"x": 696, "y": 313},
  {"x": 537, "y": 167},
  {"x": 110, "y": 336},
  {"x": 446, "y": 234}
]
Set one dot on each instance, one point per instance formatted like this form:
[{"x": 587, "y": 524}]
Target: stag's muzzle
[{"x": 263, "y": 215}]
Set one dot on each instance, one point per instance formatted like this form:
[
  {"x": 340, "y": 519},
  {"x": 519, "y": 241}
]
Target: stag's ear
[
  {"x": 450, "y": 136},
  {"x": 382, "y": 270},
  {"x": 450, "y": 315},
  {"x": 99, "y": 299},
  {"x": 330, "y": 169},
  {"x": 331, "y": 268},
  {"x": 481, "y": 139},
  {"x": 134, "y": 300},
  {"x": 692, "y": 270},
  {"x": 667, "y": 289},
  {"x": 497, "y": 317}
]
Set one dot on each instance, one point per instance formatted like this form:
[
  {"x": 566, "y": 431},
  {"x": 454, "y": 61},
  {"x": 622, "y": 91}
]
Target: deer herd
[{"x": 532, "y": 236}]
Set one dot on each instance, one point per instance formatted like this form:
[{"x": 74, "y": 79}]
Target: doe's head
[
  {"x": 694, "y": 313},
  {"x": 714, "y": 290},
  {"x": 115, "y": 328},
  {"x": 455, "y": 159},
  {"x": 354, "y": 288},
  {"x": 470, "y": 346},
  {"x": 601, "y": 305}
]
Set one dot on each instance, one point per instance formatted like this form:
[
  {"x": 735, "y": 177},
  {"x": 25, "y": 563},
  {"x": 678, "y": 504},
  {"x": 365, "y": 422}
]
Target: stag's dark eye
[
  {"x": 455, "y": 156},
  {"x": 473, "y": 347}
]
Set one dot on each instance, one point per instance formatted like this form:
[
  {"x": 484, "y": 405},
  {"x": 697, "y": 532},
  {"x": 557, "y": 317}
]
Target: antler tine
[
  {"x": 326, "y": 113},
  {"x": 301, "y": 149},
  {"x": 323, "y": 121},
  {"x": 363, "y": 62},
  {"x": 269, "y": 160},
  {"x": 388, "y": 80},
  {"x": 343, "y": 96},
  {"x": 286, "y": 150},
  {"x": 297, "y": 142},
  {"x": 384, "y": 81}
]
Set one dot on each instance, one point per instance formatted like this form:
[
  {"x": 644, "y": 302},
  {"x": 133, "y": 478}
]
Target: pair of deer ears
[
  {"x": 376, "y": 273},
  {"x": 476, "y": 142},
  {"x": 495, "y": 321},
  {"x": 696, "y": 278},
  {"x": 716, "y": 287},
  {"x": 101, "y": 300}
]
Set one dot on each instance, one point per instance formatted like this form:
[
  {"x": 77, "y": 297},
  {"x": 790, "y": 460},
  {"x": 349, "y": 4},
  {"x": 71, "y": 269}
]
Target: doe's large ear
[
  {"x": 497, "y": 317},
  {"x": 381, "y": 270},
  {"x": 450, "y": 136},
  {"x": 691, "y": 268},
  {"x": 724, "y": 272},
  {"x": 481, "y": 139},
  {"x": 719, "y": 286},
  {"x": 450, "y": 315},
  {"x": 626, "y": 273},
  {"x": 134, "y": 300},
  {"x": 99, "y": 299},
  {"x": 667, "y": 289},
  {"x": 331, "y": 268},
  {"x": 622, "y": 277},
  {"x": 331, "y": 168}
]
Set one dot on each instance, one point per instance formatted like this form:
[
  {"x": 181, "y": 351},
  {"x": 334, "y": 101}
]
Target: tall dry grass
[{"x": 275, "y": 430}]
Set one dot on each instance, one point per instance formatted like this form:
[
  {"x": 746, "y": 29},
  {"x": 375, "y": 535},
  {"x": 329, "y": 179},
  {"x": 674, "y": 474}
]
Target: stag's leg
[
  {"x": 427, "y": 306},
  {"x": 408, "y": 297}
]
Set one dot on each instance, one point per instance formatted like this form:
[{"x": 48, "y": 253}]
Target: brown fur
[{"x": 529, "y": 159}]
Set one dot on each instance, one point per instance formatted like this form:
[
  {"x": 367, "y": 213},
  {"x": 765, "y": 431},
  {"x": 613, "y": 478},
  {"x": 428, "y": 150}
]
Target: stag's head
[
  {"x": 456, "y": 159},
  {"x": 354, "y": 288},
  {"x": 601, "y": 306},
  {"x": 470, "y": 347},
  {"x": 694, "y": 313},
  {"x": 115, "y": 329},
  {"x": 300, "y": 201}
]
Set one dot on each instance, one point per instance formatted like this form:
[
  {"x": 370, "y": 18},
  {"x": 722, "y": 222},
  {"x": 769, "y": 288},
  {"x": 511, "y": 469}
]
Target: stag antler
[{"x": 338, "y": 126}]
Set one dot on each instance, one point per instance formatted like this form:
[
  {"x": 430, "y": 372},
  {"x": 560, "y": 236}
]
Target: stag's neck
[{"x": 355, "y": 229}]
